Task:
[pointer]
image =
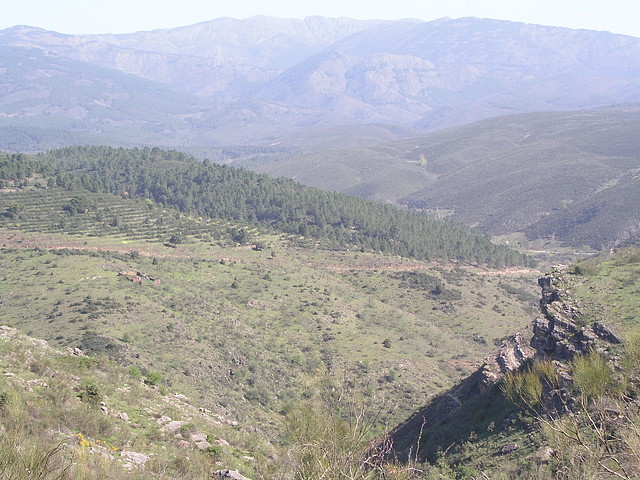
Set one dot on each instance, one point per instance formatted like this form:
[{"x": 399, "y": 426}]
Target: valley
[
  {"x": 255, "y": 315},
  {"x": 320, "y": 248}
]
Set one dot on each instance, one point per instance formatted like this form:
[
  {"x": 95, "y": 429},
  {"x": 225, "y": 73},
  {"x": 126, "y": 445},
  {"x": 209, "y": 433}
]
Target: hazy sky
[{"x": 120, "y": 16}]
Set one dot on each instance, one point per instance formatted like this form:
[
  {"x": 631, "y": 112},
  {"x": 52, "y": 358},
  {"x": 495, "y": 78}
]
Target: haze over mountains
[{"x": 262, "y": 79}]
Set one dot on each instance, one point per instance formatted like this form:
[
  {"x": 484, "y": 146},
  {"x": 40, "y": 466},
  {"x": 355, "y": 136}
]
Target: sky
[{"x": 125, "y": 16}]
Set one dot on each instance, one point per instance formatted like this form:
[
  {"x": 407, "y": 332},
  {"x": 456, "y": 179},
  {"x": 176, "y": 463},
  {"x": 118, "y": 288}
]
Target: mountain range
[{"x": 263, "y": 79}]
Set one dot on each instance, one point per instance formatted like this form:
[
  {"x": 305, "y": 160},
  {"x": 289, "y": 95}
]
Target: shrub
[
  {"x": 524, "y": 389},
  {"x": 592, "y": 374},
  {"x": 153, "y": 378},
  {"x": 4, "y": 399},
  {"x": 632, "y": 348},
  {"x": 176, "y": 238},
  {"x": 215, "y": 451},
  {"x": 89, "y": 392}
]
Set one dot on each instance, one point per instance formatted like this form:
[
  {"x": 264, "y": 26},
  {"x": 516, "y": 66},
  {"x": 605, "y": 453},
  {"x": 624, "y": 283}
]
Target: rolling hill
[{"x": 572, "y": 176}]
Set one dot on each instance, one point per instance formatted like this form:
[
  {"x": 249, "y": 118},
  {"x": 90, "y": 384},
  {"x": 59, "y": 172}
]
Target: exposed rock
[
  {"x": 198, "y": 437},
  {"x": 604, "y": 333},
  {"x": 184, "y": 444},
  {"x": 37, "y": 382},
  {"x": 228, "y": 475},
  {"x": 508, "y": 448},
  {"x": 173, "y": 426},
  {"x": 10, "y": 332},
  {"x": 135, "y": 458},
  {"x": 513, "y": 353},
  {"x": 123, "y": 416},
  {"x": 38, "y": 342},
  {"x": 7, "y": 332},
  {"x": 542, "y": 456},
  {"x": 163, "y": 419}
]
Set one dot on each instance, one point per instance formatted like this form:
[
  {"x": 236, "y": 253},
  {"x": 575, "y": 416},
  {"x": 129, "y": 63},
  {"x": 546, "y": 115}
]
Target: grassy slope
[
  {"x": 240, "y": 331},
  {"x": 609, "y": 289},
  {"x": 51, "y": 404},
  {"x": 568, "y": 174}
]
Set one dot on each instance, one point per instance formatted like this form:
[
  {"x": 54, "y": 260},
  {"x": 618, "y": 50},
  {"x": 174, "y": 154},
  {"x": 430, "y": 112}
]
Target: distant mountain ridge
[{"x": 249, "y": 76}]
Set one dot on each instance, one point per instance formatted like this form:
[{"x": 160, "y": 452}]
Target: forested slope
[{"x": 217, "y": 191}]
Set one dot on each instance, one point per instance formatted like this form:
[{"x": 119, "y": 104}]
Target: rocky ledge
[{"x": 558, "y": 333}]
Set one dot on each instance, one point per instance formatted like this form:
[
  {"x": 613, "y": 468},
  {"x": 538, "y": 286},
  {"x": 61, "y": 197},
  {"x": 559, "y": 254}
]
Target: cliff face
[{"x": 557, "y": 334}]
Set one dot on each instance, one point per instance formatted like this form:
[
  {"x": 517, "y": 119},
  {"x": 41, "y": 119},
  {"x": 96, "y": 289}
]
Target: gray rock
[
  {"x": 198, "y": 437},
  {"x": 183, "y": 444},
  {"x": 135, "y": 457},
  {"x": 604, "y": 333},
  {"x": 508, "y": 448},
  {"x": 173, "y": 426},
  {"x": 228, "y": 475}
]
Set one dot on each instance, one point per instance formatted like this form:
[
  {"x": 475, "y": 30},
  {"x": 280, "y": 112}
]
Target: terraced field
[{"x": 50, "y": 211}]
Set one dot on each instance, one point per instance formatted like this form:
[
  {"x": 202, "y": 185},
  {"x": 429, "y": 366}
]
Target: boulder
[
  {"x": 228, "y": 475},
  {"x": 173, "y": 426},
  {"x": 198, "y": 437},
  {"x": 508, "y": 448},
  {"x": 135, "y": 458}
]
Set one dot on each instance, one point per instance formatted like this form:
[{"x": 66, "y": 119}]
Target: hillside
[
  {"x": 263, "y": 80},
  {"x": 220, "y": 192},
  {"x": 143, "y": 426},
  {"x": 67, "y": 415},
  {"x": 558, "y": 399},
  {"x": 241, "y": 319},
  {"x": 251, "y": 355},
  {"x": 567, "y": 175}
]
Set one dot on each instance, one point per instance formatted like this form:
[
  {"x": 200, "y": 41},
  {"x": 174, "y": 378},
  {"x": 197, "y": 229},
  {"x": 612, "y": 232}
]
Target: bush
[
  {"x": 215, "y": 451},
  {"x": 524, "y": 389},
  {"x": 4, "y": 399},
  {"x": 89, "y": 392},
  {"x": 153, "y": 378},
  {"x": 632, "y": 348},
  {"x": 592, "y": 374},
  {"x": 176, "y": 238}
]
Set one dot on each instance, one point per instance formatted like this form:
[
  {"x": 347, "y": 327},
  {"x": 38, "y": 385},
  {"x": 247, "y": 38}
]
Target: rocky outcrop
[{"x": 558, "y": 334}]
